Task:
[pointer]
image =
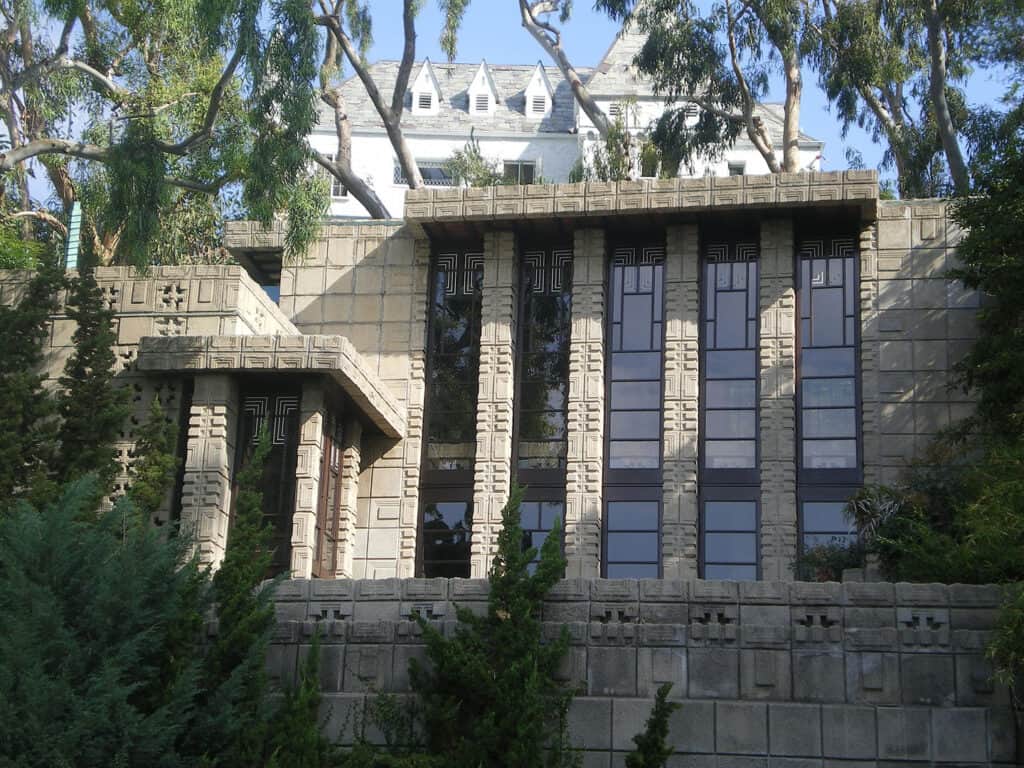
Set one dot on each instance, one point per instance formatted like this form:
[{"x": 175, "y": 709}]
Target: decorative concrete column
[
  {"x": 870, "y": 389},
  {"x": 210, "y": 453},
  {"x": 412, "y": 446},
  {"x": 585, "y": 462},
  {"x": 310, "y": 460},
  {"x": 777, "y": 354},
  {"x": 492, "y": 475},
  {"x": 351, "y": 439},
  {"x": 681, "y": 433}
]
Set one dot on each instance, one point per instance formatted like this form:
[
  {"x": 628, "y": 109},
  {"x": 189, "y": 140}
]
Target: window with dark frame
[
  {"x": 278, "y": 412},
  {"x": 453, "y": 360},
  {"x": 519, "y": 171},
  {"x": 328, "y": 507},
  {"x": 829, "y": 453},
  {"x": 737, "y": 168},
  {"x": 633, "y": 426},
  {"x": 729, "y": 476},
  {"x": 540, "y": 443},
  {"x": 434, "y": 173}
]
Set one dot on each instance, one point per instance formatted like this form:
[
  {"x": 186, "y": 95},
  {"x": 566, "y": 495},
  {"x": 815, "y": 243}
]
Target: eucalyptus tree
[
  {"x": 348, "y": 29},
  {"x": 162, "y": 117},
  {"x": 538, "y": 18},
  {"x": 722, "y": 60},
  {"x": 895, "y": 67}
]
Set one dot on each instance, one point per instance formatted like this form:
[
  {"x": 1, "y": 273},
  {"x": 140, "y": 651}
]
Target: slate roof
[
  {"x": 454, "y": 117},
  {"x": 616, "y": 75}
]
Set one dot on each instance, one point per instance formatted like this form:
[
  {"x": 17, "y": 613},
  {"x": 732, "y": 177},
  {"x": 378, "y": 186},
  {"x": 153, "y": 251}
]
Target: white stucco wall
[{"x": 374, "y": 159}]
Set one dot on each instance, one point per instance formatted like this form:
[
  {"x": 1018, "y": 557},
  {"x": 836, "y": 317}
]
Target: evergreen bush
[{"x": 652, "y": 747}]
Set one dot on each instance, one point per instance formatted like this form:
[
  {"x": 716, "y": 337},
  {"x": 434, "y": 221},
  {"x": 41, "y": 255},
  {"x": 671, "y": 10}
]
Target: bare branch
[
  {"x": 212, "y": 110},
  {"x": 341, "y": 167},
  {"x": 41, "y": 67},
  {"x": 45, "y": 217},
  {"x": 20, "y": 154},
  {"x": 408, "y": 57}
]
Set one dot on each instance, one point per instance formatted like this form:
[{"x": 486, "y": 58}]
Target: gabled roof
[
  {"x": 426, "y": 79},
  {"x": 540, "y": 78},
  {"x": 483, "y": 80},
  {"x": 454, "y": 117},
  {"x": 615, "y": 75}
]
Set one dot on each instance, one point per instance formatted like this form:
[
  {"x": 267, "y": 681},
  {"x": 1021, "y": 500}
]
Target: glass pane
[
  {"x": 826, "y": 362},
  {"x": 632, "y": 570},
  {"x": 825, "y": 539},
  {"x": 830, "y": 454},
  {"x": 550, "y": 511},
  {"x": 729, "y": 424},
  {"x": 739, "y": 275},
  {"x": 730, "y": 516},
  {"x": 543, "y": 394},
  {"x": 730, "y": 365},
  {"x": 542, "y": 425},
  {"x": 824, "y": 393},
  {"x": 636, "y": 395},
  {"x": 835, "y": 422},
  {"x": 632, "y": 515},
  {"x": 805, "y": 289},
  {"x": 825, "y": 516},
  {"x": 529, "y": 515},
  {"x": 636, "y": 425},
  {"x": 447, "y": 516},
  {"x": 731, "y": 572},
  {"x": 636, "y": 322},
  {"x": 636, "y": 365},
  {"x": 730, "y": 394},
  {"x": 634, "y": 455},
  {"x": 732, "y": 321},
  {"x": 446, "y": 570},
  {"x": 633, "y": 546},
  {"x": 835, "y": 271},
  {"x": 730, "y": 548},
  {"x": 827, "y": 317},
  {"x": 733, "y": 454}
]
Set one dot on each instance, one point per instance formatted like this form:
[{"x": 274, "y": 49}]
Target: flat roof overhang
[
  {"x": 448, "y": 213},
  {"x": 333, "y": 356}
]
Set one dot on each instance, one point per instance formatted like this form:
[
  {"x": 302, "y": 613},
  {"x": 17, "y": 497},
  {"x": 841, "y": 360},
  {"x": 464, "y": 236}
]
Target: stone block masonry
[{"x": 768, "y": 673}]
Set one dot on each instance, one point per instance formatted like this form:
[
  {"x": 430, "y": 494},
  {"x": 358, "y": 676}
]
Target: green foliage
[
  {"x": 295, "y": 740},
  {"x": 610, "y": 159},
  {"x": 92, "y": 407},
  {"x": 1006, "y": 648},
  {"x": 97, "y": 657},
  {"x": 27, "y": 409},
  {"x": 17, "y": 252},
  {"x": 992, "y": 258},
  {"x": 826, "y": 562},
  {"x": 490, "y": 695},
  {"x": 158, "y": 462},
  {"x": 652, "y": 749},
  {"x": 468, "y": 166}
]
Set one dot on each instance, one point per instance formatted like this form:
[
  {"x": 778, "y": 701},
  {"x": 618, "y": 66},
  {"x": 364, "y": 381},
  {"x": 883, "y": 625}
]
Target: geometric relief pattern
[
  {"x": 547, "y": 274},
  {"x": 776, "y": 403},
  {"x": 681, "y": 422},
  {"x": 256, "y": 408}
]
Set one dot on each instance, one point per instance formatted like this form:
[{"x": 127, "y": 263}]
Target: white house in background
[{"x": 523, "y": 116}]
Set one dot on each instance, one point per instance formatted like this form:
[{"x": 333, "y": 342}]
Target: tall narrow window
[
  {"x": 634, "y": 412},
  {"x": 828, "y": 434},
  {"x": 729, "y": 479},
  {"x": 540, "y": 448},
  {"x": 453, "y": 359},
  {"x": 828, "y": 344},
  {"x": 278, "y": 413},
  {"x": 328, "y": 507}
]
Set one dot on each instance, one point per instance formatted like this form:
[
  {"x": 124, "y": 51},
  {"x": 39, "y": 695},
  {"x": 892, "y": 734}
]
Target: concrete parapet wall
[{"x": 769, "y": 673}]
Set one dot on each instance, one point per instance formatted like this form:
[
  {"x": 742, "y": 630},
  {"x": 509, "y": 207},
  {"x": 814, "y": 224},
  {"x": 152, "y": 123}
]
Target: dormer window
[
  {"x": 426, "y": 92},
  {"x": 483, "y": 93},
  {"x": 539, "y": 95}
]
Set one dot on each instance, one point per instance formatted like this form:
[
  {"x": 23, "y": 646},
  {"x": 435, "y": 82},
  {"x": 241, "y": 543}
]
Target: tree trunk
[
  {"x": 791, "y": 118},
  {"x": 937, "y": 91},
  {"x": 553, "y": 48},
  {"x": 341, "y": 167}
]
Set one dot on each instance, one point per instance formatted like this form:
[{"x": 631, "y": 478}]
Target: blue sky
[{"x": 492, "y": 30}]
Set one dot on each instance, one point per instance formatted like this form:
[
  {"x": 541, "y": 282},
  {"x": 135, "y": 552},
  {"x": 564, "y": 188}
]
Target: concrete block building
[{"x": 691, "y": 376}]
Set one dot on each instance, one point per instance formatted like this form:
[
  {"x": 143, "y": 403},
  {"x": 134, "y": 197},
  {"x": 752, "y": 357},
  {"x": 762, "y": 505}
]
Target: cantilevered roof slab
[{"x": 313, "y": 354}]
